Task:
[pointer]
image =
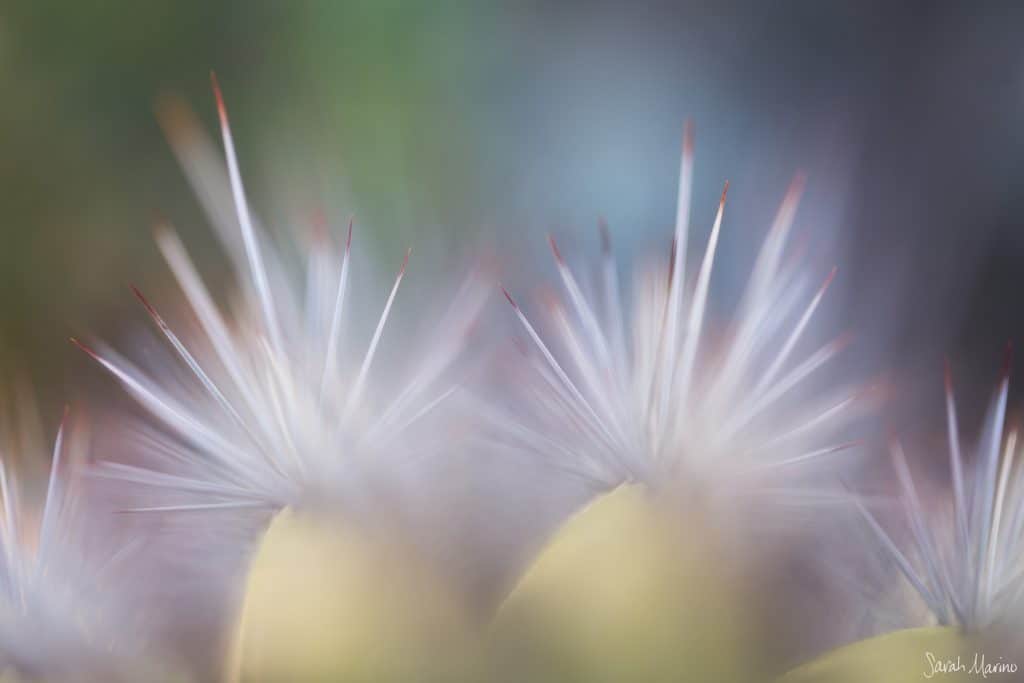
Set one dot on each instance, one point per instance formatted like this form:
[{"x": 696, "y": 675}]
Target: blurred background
[
  {"x": 447, "y": 125},
  {"x": 513, "y": 119},
  {"x": 442, "y": 122}
]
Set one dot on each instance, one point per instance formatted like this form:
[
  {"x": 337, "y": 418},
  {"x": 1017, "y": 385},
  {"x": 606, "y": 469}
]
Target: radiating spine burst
[
  {"x": 972, "y": 574},
  {"x": 280, "y": 412},
  {"x": 638, "y": 394},
  {"x": 62, "y": 614}
]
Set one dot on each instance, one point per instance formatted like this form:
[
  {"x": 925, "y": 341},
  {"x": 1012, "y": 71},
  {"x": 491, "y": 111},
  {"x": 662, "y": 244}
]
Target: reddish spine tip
[
  {"x": 725, "y": 191},
  {"x": 157, "y": 217},
  {"x": 554, "y": 249},
  {"x": 509, "y": 297},
  {"x": 830, "y": 278},
  {"x": 947, "y": 374},
  {"x": 162, "y": 228},
  {"x": 318, "y": 221},
  {"x": 550, "y": 299},
  {"x": 150, "y": 309},
  {"x": 83, "y": 347},
  {"x": 160, "y": 223},
  {"x": 606, "y": 237},
  {"x": 221, "y": 109},
  {"x": 174, "y": 117},
  {"x": 842, "y": 341},
  {"x": 796, "y": 187},
  {"x": 145, "y": 302},
  {"x": 405, "y": 261}
]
